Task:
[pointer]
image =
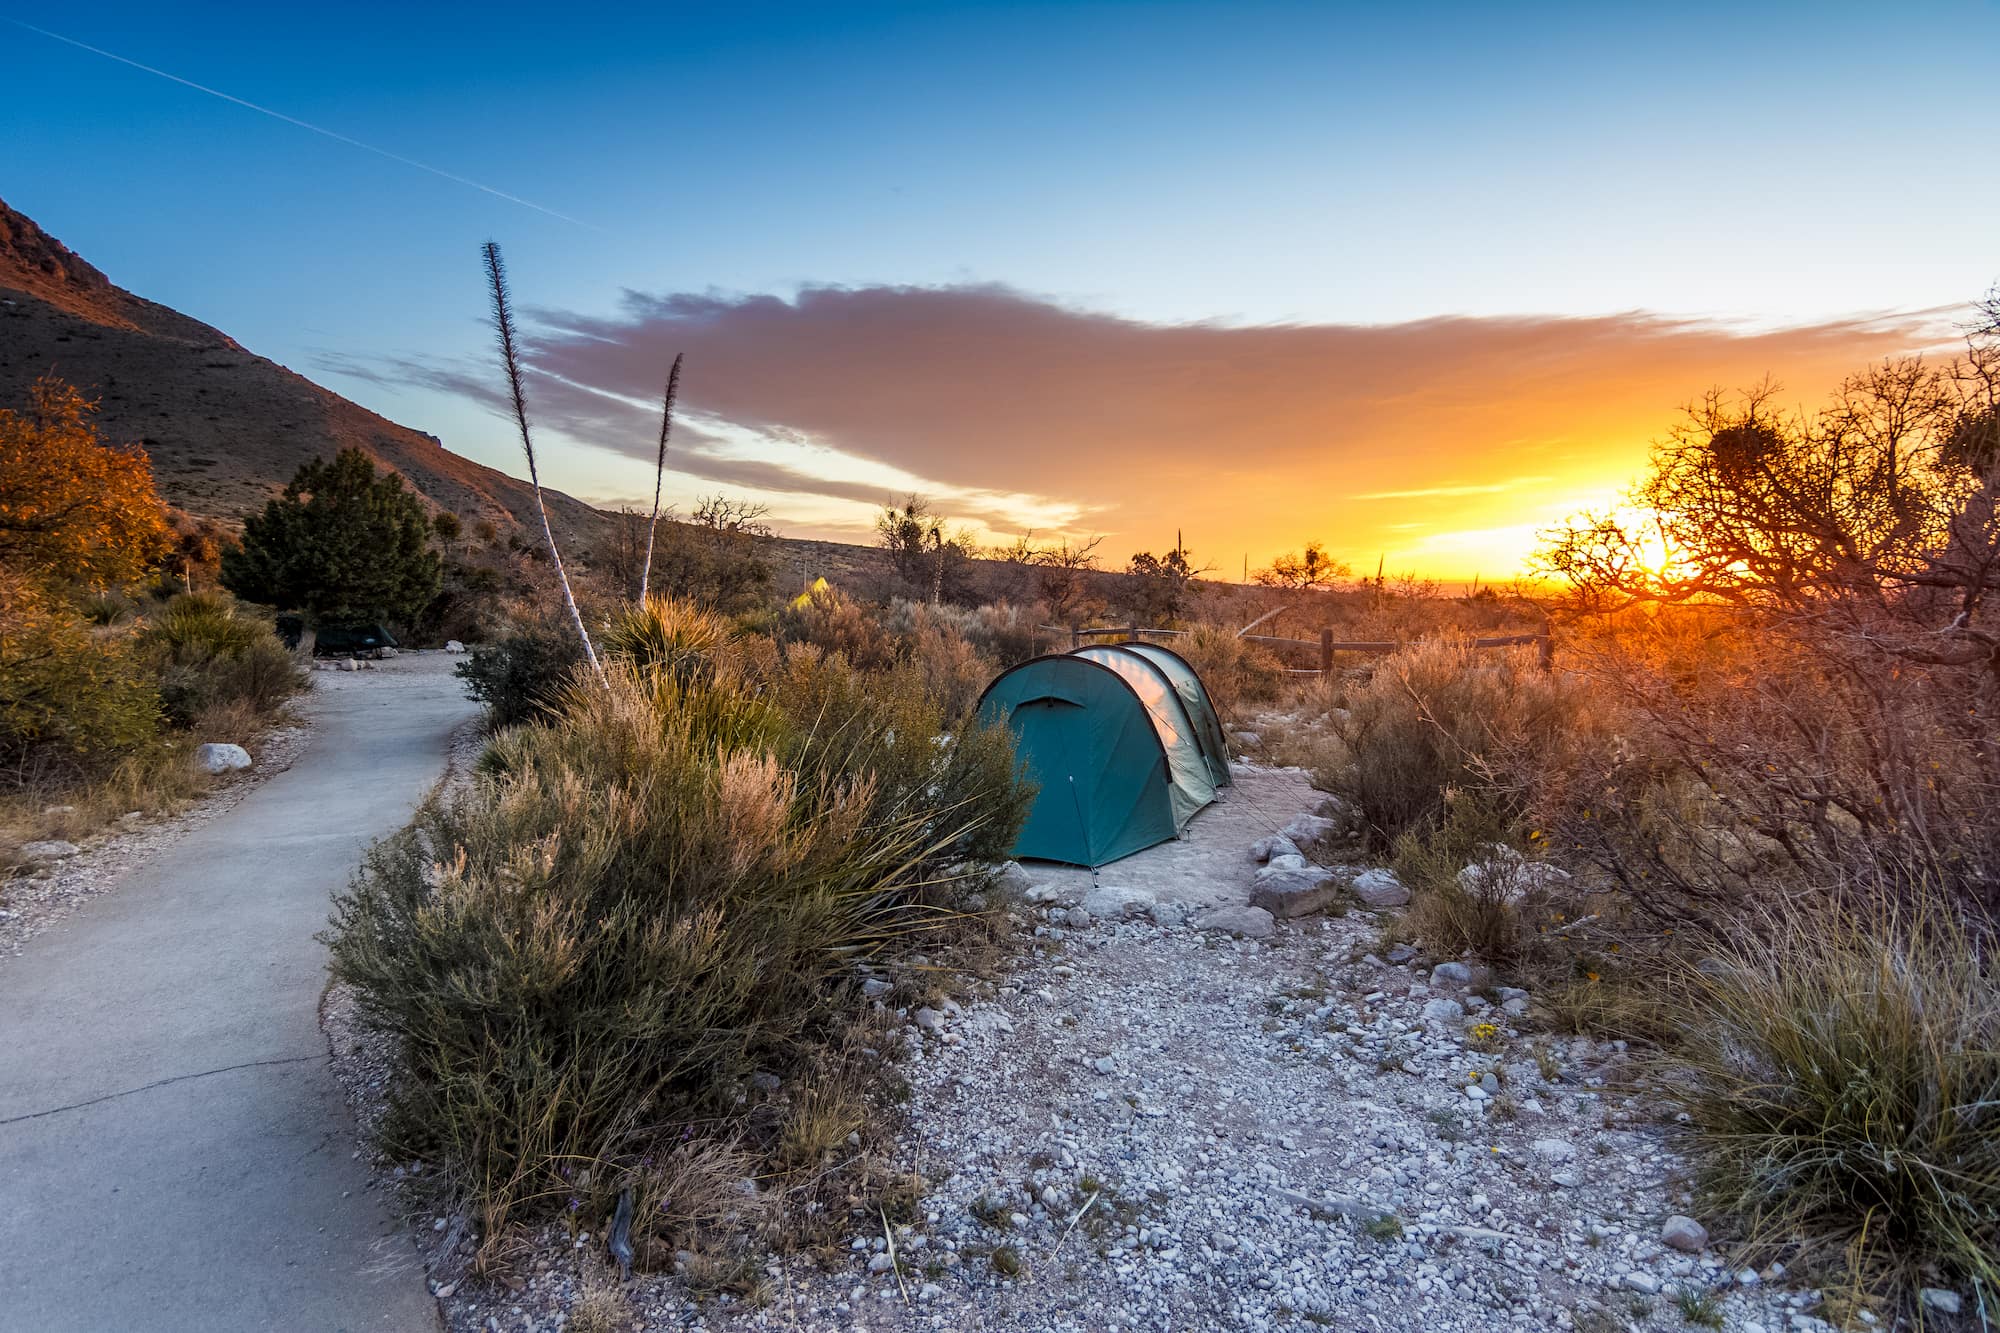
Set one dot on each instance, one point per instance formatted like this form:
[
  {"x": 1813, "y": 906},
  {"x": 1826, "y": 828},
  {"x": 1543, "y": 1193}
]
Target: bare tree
[
  {"x": 930, "y": 559},
  {"x": 503, "y": 326},
  {"x": 1062, "y": 577},
  {"x": 1303, "y": 570},
  {"x": 660, "y": 471}
]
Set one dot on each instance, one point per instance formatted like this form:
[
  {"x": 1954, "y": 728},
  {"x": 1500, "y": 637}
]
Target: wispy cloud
[{"x": 1023, "y": 412}]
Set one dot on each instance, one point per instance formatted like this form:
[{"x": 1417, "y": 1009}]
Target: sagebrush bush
[
  {"x": 521, "y": 676},
  {"x": 212, "y": 658},
  {"x": 828, "y": 619},
  {"x": 1236, "y": 671},
  {"x": 1440, "y": 717},
  {"x": 639, "y": 901},
  {"x": 1841, "y": 1079}
]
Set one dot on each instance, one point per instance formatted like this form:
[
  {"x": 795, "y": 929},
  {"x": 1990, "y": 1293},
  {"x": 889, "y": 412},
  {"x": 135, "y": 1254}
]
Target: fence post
[
  {"x": 1075, "y": 637},
  {"x": 1326, "y": 652},
  {"x": 1132, "y": 632},
  {"x": 1547, "y": 646}
]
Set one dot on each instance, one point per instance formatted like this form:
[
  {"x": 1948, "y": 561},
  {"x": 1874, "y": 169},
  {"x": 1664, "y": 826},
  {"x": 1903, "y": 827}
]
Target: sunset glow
[{"x": 1415, "y": 285}]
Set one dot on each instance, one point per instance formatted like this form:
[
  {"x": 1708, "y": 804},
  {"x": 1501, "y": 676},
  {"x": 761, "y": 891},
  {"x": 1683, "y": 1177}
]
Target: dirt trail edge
[{"x": 175, "y": 1152}]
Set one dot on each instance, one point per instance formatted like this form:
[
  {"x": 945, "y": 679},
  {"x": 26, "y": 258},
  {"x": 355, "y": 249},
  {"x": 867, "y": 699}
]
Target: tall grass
[
  {"x": 640, "y": 901},
  {"x": 1841, "y": 1078}
]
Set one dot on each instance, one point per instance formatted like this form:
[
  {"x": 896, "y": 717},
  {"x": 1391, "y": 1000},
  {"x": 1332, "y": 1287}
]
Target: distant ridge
[{"x": 225, "y": 428}]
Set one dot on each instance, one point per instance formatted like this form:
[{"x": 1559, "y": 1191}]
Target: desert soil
[{"x": 1153, "y": 1123}]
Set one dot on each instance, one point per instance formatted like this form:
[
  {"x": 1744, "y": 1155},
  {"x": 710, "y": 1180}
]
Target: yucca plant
[
  {"x": 510, "y": 361},
  {"x": 660, "y": 473}
]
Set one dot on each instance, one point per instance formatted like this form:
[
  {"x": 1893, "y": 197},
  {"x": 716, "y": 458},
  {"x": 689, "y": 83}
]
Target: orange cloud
[{"x": 1440, "y": 443}]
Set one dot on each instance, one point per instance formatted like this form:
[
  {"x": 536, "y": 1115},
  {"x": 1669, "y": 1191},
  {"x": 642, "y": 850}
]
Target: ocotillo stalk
[
  {"x": 503, "y": 324},
  {"x": 660, "y": 471}
]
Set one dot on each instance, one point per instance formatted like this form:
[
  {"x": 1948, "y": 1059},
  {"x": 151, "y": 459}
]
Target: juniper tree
[{"x": 344, "y": 544}]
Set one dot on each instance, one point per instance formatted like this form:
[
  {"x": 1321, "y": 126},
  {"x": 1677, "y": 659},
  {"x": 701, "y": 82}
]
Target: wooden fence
[{"x": 1328, "y": 646}]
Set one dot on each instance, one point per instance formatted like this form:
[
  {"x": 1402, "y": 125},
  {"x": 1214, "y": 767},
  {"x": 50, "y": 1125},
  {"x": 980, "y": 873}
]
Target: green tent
[
  {"x": 1108, "y": 738},
  {"x": 1194, "y": 697}
]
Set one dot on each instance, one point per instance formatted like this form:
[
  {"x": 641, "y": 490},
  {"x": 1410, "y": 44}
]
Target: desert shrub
[
  {"x": 1841, "y": 1081},
  {"x": 1756, "y": 757},
  {"x": 521, "y": 676},
  {"x": 640, "y": 900},
  {"x": 1236, "y": 671},
  {"x": 1001, "y": 631},
  {"x": 1440, "y": 717},
  {"x": 213, "y": 660},
  {"x": 1480, "y": 915},
  {"x": 828, "y": 619},
  {"x": 71, "y": 699},
  {"x": 940, "y": 642}
]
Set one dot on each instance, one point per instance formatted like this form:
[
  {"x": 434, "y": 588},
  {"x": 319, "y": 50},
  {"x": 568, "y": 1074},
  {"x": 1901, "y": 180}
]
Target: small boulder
[
  {"x": 53, "y": 849},
  {"x": 215, "y": 758},
  {"x": 453, "y": 646},
  {"x": 1553, "y": 1150},
  {"x": 1013, "y": 879},
  {"x": 1112, "y": 903},
  {"x": 1287, "y": 891},
  {"x": 1252, "y": 923},
  {"x": 1470, "y": 975},
  {"x": 1267, "y": 849},
  {"x": 1307, "y": 829},
  {"x": 1167, "y": 916},
  {"x": 1379, "y": 887},
  {"x": 929, "y": 1019},
  {"x": 1684, "y": 1234},
  {"x": 1247, "y": 739},
  {"x": 1289, "y": 861},
  {"x": 1944, "y": 1302},
  {"x": 1444, "y": 1011}
]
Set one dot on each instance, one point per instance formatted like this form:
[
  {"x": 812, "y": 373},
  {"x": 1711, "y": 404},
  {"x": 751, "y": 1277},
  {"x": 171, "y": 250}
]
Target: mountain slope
[{"x": 225, "y": 428}]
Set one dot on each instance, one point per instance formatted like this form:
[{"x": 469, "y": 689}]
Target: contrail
[{"x": 306, "y": 125}]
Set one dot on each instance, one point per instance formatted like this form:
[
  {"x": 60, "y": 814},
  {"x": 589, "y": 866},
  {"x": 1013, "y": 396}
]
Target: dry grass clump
[
  {"x": 1441, "y": 717},
  {"x": 1841, "y": 1076},
  {"x": 1237, "y": 673},
  {"x": 659, "y": 891}
]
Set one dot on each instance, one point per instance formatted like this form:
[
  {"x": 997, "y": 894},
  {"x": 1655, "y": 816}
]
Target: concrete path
[{"x": 174, "y": 1150}]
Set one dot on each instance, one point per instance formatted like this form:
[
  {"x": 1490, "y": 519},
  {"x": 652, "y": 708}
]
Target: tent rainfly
[{"x": 1122, "y": 741}]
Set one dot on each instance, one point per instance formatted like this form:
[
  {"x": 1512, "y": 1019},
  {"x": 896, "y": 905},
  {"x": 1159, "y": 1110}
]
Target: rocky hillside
[{"x": 225, "y": 428}]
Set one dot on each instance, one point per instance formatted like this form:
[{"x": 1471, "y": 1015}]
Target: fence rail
[{"x": 1543, "y": 639}]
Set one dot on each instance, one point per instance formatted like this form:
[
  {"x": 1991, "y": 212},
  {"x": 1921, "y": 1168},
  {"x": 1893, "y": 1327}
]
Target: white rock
[
  {"x": 927, "y": 1018},
  {"x": 215, "y": 758},
  {"x": 1285, "y": 861},
  {"x": 1250, "y": 922},
  {"x": 1379, "y": 887},
  {"x": 1642, "y": 1282},
  {"x": 1944, "y": 1302},
  {"x": 1309, "y": 828},
  {"x": 54, "y": 849},
  {"x": 453, "y": 646},
  {"x": 1444, "y": 1011},
  {"x": 1684, "y": 1234},
  {"x": 1264, "y": 849},
  {"x": 1110, "y": 903},
  {"x": 1553, "y": 1150}
]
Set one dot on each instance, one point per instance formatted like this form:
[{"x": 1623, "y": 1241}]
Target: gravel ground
[
  {"x": 39, "y": 898},
  {"x": 1170, "y": 1126}
]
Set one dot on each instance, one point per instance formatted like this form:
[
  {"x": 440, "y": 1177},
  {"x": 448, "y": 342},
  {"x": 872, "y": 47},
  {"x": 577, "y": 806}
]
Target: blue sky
[{"x": 1244, "y": 165}]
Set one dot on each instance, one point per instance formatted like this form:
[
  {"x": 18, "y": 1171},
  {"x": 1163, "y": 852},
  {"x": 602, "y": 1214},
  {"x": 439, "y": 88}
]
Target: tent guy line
[{"x": 335, "y": 135}]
